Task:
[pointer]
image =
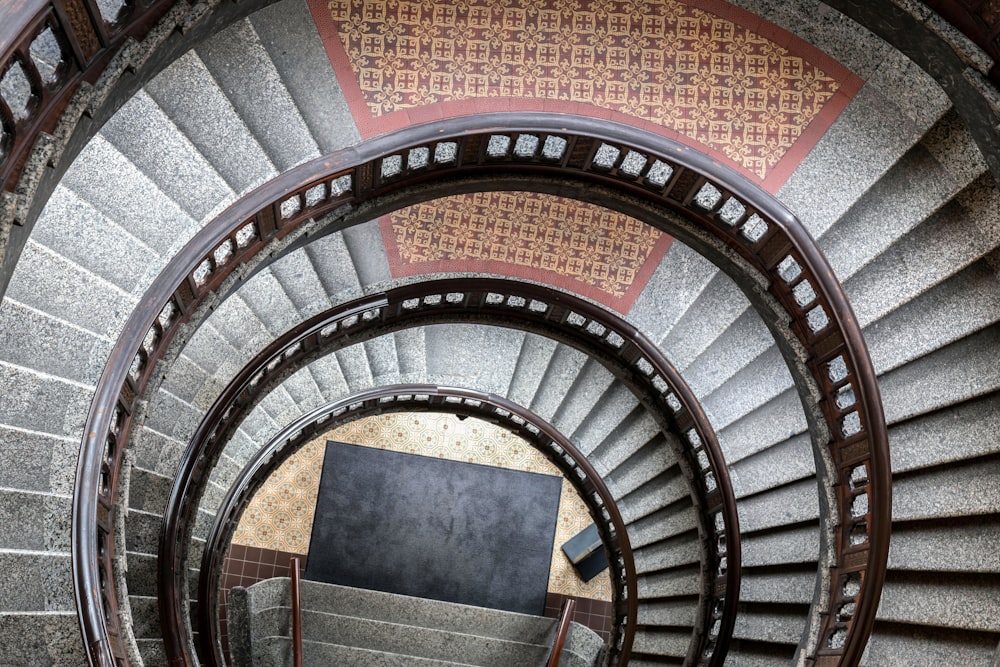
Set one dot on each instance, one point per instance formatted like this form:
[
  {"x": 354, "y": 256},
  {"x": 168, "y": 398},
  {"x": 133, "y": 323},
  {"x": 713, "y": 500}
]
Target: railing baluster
[
  {"x": 562, "y": 632},
  {"x": 294, "y": 570}
]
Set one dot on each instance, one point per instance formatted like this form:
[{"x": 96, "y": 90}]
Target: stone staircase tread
[
  {"x": 289, "y": 34},
  {"x": 146, "y": 135},
  {"x": 189, "y": 94},
  {"x": 254, "y": 86},
  {"x": 317, "y": 654}
]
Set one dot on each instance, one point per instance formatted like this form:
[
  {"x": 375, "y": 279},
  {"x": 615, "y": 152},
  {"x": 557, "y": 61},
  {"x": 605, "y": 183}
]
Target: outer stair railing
[{"x": 562, "y": 632}]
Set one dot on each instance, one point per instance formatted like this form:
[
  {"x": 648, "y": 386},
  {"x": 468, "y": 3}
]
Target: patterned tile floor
[
  {"x": 280, "y": 516},
  {"x": 702, "y": 72},
  {"x": 584, "y": 248}
]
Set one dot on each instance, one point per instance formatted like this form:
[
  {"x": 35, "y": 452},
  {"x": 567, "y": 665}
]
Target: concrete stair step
[
  {"x": 959, "y": 234},
  {"x": 536, "y": 351},
  {"x": 945, "y": 545},
  {"x": 793, "y": 544},
  {"x": 334, "y": 267},
  {"x": 783, "y": 463},
  {"x": 298, "y": 278},
  {"x": 152, "y": 652},
  {"x": 329, "y": 377},
  {"x": 663, "y": 524},
  {"x": 962, "y": 601},
  {"x": 146, "y": 135},
  {"x": 790, "y": 585},
  {"x": 862, "y": 145},
  {"x": 963, "y": 370},
  {"x": 951, "y": 310},
  {"x": 52, "y": 284},
  {"x": 22, "y": 566},
  {"x": 683, "y": 581},
  {"x": 670, "y": 553},
  {"x": 611, "y": 416},
  {"x": 955, "y": 491},
  {"x": 41, "y": 639},
  {"x": 676, "y": 283},
  {"x": 247, "y": 75},
  {"x": 669, "y": 490},
  {"x": 37, "y": 462},
  {"x": 933, "y": 171},
  {"x": 116, "y": 187},
  {"x": 669, "y": 613},
  {"x": 484, "y": 357},
  {"x": 652, "y": 459},
  {"x": 661, "y": 642},
  {"x": 402, "y": 625},
  {"x": 267, "y": 299},
  {"x": 34, "y": 547},
  {"x": 288, "y": 33},
  {"x": 74, "y": 228},
  {"x": 590, "y": 391},
  {"x": 793, "y": 503},
  {"x": 382, "y": 360},
  {"x": 148, "y": 490},
  {"x": 743, "y": 341},
  {"x": 275, "y": 651},
  {"x": 42, "y": 403},
  {"x": 187, "y": 92},
  {"x": 622, "y": 441},
  {"x": 902, "y": 645},
  {"x": 61, "y": 349},
  {"x": 717, "y": 306},
  {"x": 421, "y": 642},
  {"x": 425, "y": 613},
  {"x": 770, "y": 623},
  {"x": 411, "y": 353},
  {"x": 562, "y": 370},
  {"x": 367, "y": 251},
  {"x": 145, "y": 617}
]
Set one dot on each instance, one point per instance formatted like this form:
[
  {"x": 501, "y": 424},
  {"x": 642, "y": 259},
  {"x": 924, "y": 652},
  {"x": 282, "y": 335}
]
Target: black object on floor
[
  {"x": 586, "y": 552},
  {"x": 427, "y": 527}
]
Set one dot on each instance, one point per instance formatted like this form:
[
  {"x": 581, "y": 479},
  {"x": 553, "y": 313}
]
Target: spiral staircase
[{"x": 190, "y": 109}]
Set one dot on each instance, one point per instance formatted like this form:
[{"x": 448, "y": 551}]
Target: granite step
[
  {"x": 41, "y": 639},
  {"x": 191, "y": 97},
  {"x": 145, "y": 134},
  {"x": 275, "y": 652},
  {"x": 243, "y": 68},
  {"x": 288, "y": 34},
  {"x": 338, "y": 616}
]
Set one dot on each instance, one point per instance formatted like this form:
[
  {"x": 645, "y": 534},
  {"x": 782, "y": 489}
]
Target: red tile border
[{"x": 775, "y": 177}]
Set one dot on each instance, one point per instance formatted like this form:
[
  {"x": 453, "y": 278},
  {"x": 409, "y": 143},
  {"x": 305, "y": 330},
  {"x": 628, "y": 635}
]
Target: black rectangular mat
[{"x": 427, "y": 527}]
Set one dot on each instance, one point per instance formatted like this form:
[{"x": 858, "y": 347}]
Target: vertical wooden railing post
[
  {"x": 562, "y": 632},
  {"x": 294, "y": 571}
]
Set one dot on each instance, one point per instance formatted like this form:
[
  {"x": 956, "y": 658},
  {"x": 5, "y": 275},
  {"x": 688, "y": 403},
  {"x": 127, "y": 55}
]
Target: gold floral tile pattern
[
  {"x": 702, "y": 69},
  {"x": 280, "y": 515},
  {"x": 270, "y": 522},
  {"x": 582, "y": 247}
]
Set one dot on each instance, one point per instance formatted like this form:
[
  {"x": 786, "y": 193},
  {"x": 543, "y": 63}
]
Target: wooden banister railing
[
  {"x": 518, "y": 420},
  {"x": 564, "y": 317},
  {"x": 562, "y": 632},
  {"x": 50, "y": 49},
  {"x": 746, "y": 231},
  {"x": 295, "y": 572}
]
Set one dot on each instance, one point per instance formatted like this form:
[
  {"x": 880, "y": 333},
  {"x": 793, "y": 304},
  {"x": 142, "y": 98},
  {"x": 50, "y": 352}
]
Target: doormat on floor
[{"x": 427, "y": 527}]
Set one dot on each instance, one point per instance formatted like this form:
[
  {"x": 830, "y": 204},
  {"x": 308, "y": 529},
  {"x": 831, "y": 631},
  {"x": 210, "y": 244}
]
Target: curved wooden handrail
[
  {"x": 86, "y": 42},
  {"x": 559, "y": 315},
  {"x": 295, "y": 572},
  {"x": 562, "y": 632},
  {"x": 423, "y": 398},
  {"x": 733, "y": 222}
]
